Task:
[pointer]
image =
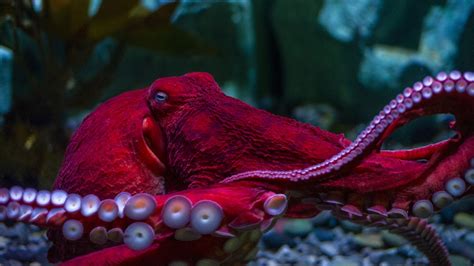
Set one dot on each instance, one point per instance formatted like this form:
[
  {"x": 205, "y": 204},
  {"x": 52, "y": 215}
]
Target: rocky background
[{"x": 332, "y": 63}]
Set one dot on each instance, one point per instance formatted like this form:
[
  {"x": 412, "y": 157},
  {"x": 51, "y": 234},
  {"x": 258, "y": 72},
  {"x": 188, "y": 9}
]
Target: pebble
[
  {"x": 460, "y": 247},
  {"x": 308, "y": 260},
  {"x": 298, "y": 228},
  {"x": 459, "y": 261},
  {"x": 341, "y": 261},
  {"x": 329, "y": 249},
  {"x": 306, "y": 249},
  {"x": 409, "y": 251},
  {"x": 22, "y": 244},
  {"x": 369, "y": 240},
  {"x": 464, "y": 220},
  {"x": 324, "y": 234},
  {"x": 286, "y": 255},
  {"x": 322, "y": 219},
  {"x": 393, "y": 240},
  {"x": 274, "y": 240},
  {"x": 469, "y": 238},
  {"x": 3, "y": 242},
  {"x": 392, "y": 259},
  {"x": 350, "y": 226}
]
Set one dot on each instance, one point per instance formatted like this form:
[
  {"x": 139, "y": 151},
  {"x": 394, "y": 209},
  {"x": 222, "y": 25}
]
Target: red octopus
[{"x": 180, "y": 174}]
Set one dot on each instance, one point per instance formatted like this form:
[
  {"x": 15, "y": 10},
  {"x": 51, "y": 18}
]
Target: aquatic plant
[{"x": 65, "y": 54}]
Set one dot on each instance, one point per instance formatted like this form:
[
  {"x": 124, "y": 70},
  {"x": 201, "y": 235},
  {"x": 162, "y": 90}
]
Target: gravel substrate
[
  {"x": 323, "y": 240},
  {"x": 22, "y": 244}
]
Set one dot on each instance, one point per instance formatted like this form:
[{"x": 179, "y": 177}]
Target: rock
[
  {"x": 392, "y": 259},
  {"x": 409, "y": 252},
  {"x": 329, "y": 249},
  {"x": 447, "y": 214},
  {"x": 333, "y": 222},
  {"x": 460, "y": 247},
  {"x": 324, "y": 261},
  {"x": 459, "y": 261},
  {"x": 23, "y": 231},
  {"x": 21, "y": 253},
  {"x": 464, "y": 220},
  {"x": 321, "y": 219},
  {"x": 307, "y": 260},
  {"x": 312, "y": 240},
  {"x": 306, "y": 249},
  {"x": 348, "y": 20},
  {"x": 298, "y": 228},
  {"x": 452, "y": 233},
  {"x": 36, "y": 237},
  {"x": 384, "y": 66},
  {"x": 263, "y": 262},
  {"x": 418, "y": 261},
  {"x": 13, "y": 263},
  {"x": 274, "y": 240},
  {"x": 6, "y": 79},
  {"x": 366, "y": 262},
  {"x": 369, "y": 240},
  {"x": 393, "y": 240},
  {"x": 350, "y": 226},
  {"x": 376, "y": 257},
  {"x": 324, "y": 234},
  {"x": 4, "y": 242},
  {"x": 342, "y": 261},
  {"x": 469, "y": 238},
  {"x": 286, "y": 255}
]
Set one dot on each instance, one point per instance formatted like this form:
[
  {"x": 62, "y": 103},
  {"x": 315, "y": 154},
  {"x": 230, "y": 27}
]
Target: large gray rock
[
  {"x": 442, "y": 29},
  {"x": 6, "y": 76}
]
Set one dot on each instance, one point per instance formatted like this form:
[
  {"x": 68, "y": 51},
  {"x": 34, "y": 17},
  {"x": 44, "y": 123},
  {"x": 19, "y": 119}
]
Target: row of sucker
[
  {"x": 414, "y": 229},
  {"x": 32, "y": 196},
  {"x": 453, "y": 188},
  {"x": 241, "y": 246},
  {"x": 53, "y": 209},
  {"x": 137, "y": 236},
  {"x": 189, "y": 220},
  {"x": 410, "y": 98}
]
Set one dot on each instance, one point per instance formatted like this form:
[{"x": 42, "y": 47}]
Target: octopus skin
[{"x": 180, "y": 174}]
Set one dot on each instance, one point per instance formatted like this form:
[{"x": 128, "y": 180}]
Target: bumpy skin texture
[{"x": 202, "y": 144}]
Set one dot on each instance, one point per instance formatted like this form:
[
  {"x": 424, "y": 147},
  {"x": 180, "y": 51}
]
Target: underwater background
[{"x": 331, "y": 63}]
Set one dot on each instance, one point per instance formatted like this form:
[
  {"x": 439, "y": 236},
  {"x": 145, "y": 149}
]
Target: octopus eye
[{"x": 161, "y": 96}]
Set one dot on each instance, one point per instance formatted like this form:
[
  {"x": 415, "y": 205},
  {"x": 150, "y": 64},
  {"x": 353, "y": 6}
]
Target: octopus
[{"x": 178, "y": 173}]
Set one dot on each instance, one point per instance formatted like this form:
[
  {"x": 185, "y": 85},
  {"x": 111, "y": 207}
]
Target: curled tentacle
[
  {"x": 414, "y": 229},
  {"x": 365, "y": 182},
  {"x": 452, "y": 93}
]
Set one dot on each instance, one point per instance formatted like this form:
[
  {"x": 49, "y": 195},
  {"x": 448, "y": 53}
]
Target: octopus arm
[{"x": 222, "y": 223}]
